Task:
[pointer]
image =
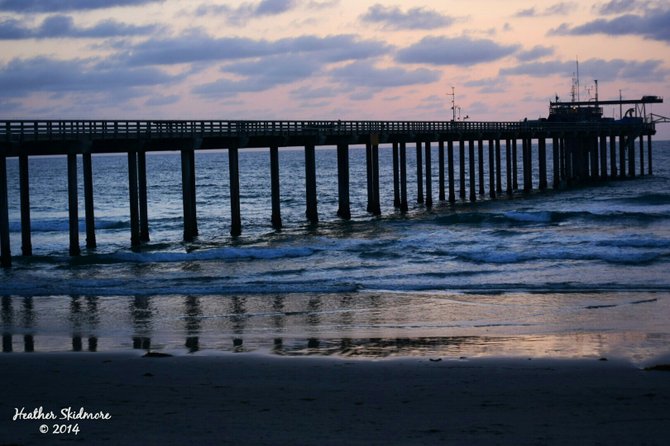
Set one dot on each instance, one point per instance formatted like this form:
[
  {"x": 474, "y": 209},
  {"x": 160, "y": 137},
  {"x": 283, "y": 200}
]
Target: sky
[{"x": 326, "y": 59}]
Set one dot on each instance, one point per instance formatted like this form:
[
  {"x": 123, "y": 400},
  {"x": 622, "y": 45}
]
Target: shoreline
[{"x": 254, "y": 398}]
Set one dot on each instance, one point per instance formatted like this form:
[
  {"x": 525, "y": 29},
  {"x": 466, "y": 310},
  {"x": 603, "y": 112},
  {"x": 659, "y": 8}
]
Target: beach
[{"x": 259, "y": 399}]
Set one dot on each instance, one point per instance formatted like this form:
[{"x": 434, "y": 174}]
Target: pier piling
[
  {"x": 480, "y": 162},
  {"x": 440, "y": 156},
  {"x": 492, "y": 173},
  {"x": 429, "y": 171},
  {"x": 310, "y": 184},
  {"x": 274, "y": 185},
  {"x": 419, "y": 174},
  {"x": 461, "y": 162},
  {"x": 234, "y": 180},
  {"x": 24, "y": 185},
  {"x": 450, "y": 161},
  {"x": 133, "y": 192},
  {"x": 471, "y": 162},
  {"x": 73, "y": 204},
  {"x": 5, "y": 251},
  {"x": 89, "y": 208},
  {"x": 403, "y": 177},
  {"x": 143, "y": 195}
]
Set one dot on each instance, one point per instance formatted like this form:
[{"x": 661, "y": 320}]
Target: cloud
[
  {"x": 308, "y": 93},
  {"x": 21, "y": 77},
  {"x": 594, "y": 69},
  {"x": 203, "y": 48},
  {"x": 652, "y": 24},
  {"x": 363, "y": 74},
  {"x": 247, "y": 11},
  {"x": 555, "y": 9},
  {"x": 320, "y": 5},
  {"x": 50, "y": 6},
  {"x": 536, "y": 52},
  {"x": 618, "y": 7},
  {"x": 462, "y": 51},
  {"x": 62, "y": 26},
  {"x": 415, "y": 18}
]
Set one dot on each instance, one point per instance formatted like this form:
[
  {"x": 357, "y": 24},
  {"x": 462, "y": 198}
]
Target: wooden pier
[{"x": 582, "y": 152}]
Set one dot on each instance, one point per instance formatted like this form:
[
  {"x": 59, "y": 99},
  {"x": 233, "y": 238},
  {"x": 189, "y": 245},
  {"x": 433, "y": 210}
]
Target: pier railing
[{"x": 24, "y": 130}]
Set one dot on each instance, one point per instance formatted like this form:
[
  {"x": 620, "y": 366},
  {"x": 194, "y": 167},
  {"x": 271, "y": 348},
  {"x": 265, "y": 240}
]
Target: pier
[{"x": 582, "y": 152}]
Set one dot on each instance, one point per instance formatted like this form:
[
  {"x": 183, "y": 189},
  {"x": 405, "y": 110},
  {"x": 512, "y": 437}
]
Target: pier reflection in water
[{"x": 313, "y": 324}]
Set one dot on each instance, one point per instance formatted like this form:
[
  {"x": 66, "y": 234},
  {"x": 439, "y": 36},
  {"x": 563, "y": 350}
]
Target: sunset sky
[{"x": 325, "y": 59}]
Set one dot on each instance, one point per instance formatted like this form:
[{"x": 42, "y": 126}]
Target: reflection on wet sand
[{"x": 315, "y": 325}]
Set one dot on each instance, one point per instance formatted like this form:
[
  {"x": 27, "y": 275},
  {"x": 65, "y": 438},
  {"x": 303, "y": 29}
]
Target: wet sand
[{"x": 253, "y": 399}]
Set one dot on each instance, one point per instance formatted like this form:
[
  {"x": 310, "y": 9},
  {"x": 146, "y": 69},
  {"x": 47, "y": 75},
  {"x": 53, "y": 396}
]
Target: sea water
[{"x": 578, "y": 272}]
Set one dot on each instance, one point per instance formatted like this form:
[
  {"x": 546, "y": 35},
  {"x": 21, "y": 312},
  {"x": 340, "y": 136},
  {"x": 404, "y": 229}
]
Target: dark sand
[{"x": 249, "y": 399}]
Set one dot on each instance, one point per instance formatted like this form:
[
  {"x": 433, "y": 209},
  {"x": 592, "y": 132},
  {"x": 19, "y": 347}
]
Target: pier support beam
[
  {"x": 603, "y": 156},
  {"x": 311, "y": 213},
  {"x": 555, "y": 163},
  {"x": 461, "y": 162},
  {"x": 492, "y": 169},
  {"x": 73, "y": 204},
  {"x": 372, "y": 163},
  {"x": 631, "y": 155},
  {"x": 235, "y": 209},
  {"x": 403, "y": 177},
  {"x": 622, "y": 156},
  {"x": 133, "y": 193},
  {"x": 498, "y": 168},
  {"x": 187, "y": 183},
  {"x": 649, "y": 154},
  {"x": 274, "y": 185},
  {"x": 89, "y": 209},
  {"x": 419, "y": 174},
  {"x": 450, "y": 162},
  {"x": 429, "y": 176},
  {"x": 508, "y": 166},
  {"x": 480, "y": 163},
  {"x": 471, "y": 163},
  {"x": 613, "y": 171},
  {"x": 5, "y": 251},
  {"x": 542, "y": 155},
  {"x": 527, "y": 165},
  {"x": 344, "y": 209},
  {"x": 24, "y": 184},
  {"x": 143, "y": 196},
  {"x": 515, "y": 170},
  {"x": 396, "y": 176},
  {"x": 440, "y": 156},
  {"x": 641, "y": 155}
]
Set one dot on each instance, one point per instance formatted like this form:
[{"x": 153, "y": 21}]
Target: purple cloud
[
  {"x": 62, "y": 26},
  {"x": 652, "y": 24},
  {"x": 416, "y": 18},
  {"x": 463, "y": 51},
  {"x": 41, "y": 6}
]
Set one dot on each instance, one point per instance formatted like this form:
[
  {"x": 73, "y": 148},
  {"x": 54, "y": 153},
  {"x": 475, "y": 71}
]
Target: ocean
[{"x": 583, "y": 272}]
